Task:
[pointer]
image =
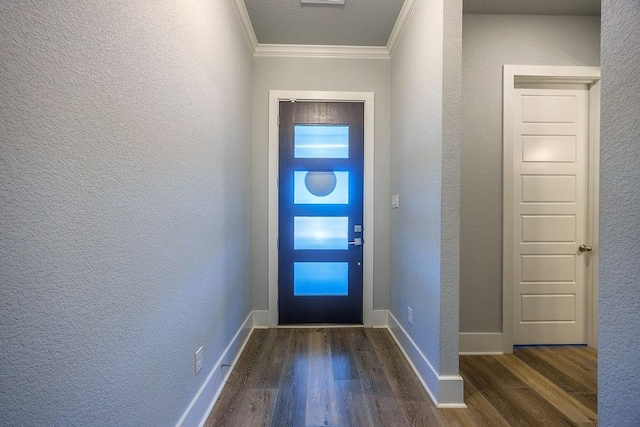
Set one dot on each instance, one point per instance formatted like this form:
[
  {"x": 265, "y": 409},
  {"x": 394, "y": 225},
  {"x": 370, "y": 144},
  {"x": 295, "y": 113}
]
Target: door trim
[
  {"x": 536, "y": 74},
  {"x": 275, "y": 96}
]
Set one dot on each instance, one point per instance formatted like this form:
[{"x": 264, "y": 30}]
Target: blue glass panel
[
  {"x": 302, "y": 195},
  {"x": 320, "y": 278},
  {"x": 321, "y": 141},
  {"x": 322, "y": 232}
]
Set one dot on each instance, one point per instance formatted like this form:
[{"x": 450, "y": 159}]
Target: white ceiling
[
  {"x": 534, "y": 7},
  {"x": 369, "y": 22},
  {"x": 356, "y": 23}
]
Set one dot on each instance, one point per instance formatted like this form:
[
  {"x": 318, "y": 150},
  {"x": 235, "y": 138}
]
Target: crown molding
[
  {"x": 322, "y": 51},
  {"x": 245, "y": 22},
  {"x": 400, "y": 25}
]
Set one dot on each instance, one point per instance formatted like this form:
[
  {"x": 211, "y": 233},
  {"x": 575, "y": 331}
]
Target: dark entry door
[{"x": 321, "y": 162}]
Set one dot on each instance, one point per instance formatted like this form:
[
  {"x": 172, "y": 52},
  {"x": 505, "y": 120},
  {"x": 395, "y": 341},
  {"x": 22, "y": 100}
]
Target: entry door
[
  {"x": 550, "y": 209},
  {"x": 320, "y": 230}
]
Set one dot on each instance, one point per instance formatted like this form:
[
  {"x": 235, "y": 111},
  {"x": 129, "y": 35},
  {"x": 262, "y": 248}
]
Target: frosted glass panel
[
  {"x": 302, "y": 195},
  {"x": 310, "y": 232},
  {"x": 320, "y": 278},
  {"x": 321, "y": 141}
]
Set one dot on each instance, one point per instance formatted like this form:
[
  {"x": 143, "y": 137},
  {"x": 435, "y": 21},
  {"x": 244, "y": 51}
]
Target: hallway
[
  {"x": 136, "y": 195},
  {"x": 359, "y": 377}
]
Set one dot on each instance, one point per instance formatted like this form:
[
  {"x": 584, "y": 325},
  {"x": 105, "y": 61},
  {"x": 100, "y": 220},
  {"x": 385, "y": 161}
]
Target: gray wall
[
  {"x": 451, "y": 150},
  {"x": 125, "y": 164},
  {"x": 619, "y": 290},
  {"x": 424, "y": 246},
  {"x": 354, "y": 75},
  {"x": 489, "y": 42}
]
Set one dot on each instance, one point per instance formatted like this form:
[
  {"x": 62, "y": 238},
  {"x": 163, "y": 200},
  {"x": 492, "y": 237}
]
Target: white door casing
[
  {"x": 275, "y": 96},
  {"x": 536, "y": 231},
  {"x": 549, "y": 207}
]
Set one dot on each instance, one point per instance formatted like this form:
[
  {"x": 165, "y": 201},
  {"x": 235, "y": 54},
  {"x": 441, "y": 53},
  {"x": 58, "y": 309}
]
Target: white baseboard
[
  {"x": 480, "y": 343},
  {"x": 202, "y": 404},
  {"x": 446, "y": 391},
  {"x": 261, "y": 319},
  {"x": 380, "y": 319}
]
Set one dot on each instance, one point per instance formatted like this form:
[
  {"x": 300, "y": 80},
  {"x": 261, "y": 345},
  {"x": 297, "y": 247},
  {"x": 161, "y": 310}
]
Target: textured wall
[
  {"x": 489, "y": 42},
  {"x": 619, "y": 286},
  {"x": 125, "y": 192},
  {"x": 422, "y": 251},
  {"x": 353, "y": 75}
]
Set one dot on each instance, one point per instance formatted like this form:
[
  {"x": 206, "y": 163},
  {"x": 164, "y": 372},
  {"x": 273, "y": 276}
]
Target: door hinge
[
  {"x": 277, "y": 182},
  {"x": 278, "y": 243},
  {"x": 278, "y": 120}
]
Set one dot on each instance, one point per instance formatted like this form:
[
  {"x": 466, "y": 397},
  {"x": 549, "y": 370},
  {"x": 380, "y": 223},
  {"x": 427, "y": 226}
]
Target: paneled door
[
  {"x": 550, "y": 216},
  {"x": 320, "y": 212}
]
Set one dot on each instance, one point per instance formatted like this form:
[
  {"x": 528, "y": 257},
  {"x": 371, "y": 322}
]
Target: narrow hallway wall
[
  {"x": 619, "y": 293},
  {"x": 425, "y": 173},
  {"x": 125, "y": 194}
]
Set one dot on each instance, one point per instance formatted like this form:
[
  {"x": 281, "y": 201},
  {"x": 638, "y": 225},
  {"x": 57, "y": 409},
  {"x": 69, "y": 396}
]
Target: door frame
[
  {"x": 549, "y": 75},
  {"x": 275, "y": 96}
]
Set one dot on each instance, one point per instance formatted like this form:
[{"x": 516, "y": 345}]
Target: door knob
[
  {"x": 356, "y": 242},
  {"x": 584, "y": 248}
]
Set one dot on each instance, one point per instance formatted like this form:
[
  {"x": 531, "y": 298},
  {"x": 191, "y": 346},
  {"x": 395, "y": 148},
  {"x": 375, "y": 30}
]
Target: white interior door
[{"x": 550, "y": 215}]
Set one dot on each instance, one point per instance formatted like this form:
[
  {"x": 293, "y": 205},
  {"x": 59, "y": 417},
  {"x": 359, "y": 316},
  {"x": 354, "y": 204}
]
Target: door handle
[
  {"x": 356, "y": 242},
  {"x": 585, "y": 248}
]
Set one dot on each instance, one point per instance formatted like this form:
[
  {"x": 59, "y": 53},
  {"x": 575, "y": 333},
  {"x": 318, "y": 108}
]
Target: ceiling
[
  {"x": 370, "y": 22},
  {"x": 534, "y": 7},
  {"x": 356, "y": 23}
]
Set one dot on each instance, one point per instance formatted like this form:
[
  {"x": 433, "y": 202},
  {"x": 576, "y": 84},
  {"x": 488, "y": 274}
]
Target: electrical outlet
[
  {"x": 198, "y": 360},
  {"x": 410, "y": 315}
]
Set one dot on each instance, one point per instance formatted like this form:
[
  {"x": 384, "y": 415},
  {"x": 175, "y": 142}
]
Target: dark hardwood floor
[{"x": 359, "y": 377}]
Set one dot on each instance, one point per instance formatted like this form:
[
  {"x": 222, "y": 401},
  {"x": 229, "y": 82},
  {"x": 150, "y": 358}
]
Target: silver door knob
[{"x": 585, "y": 248}]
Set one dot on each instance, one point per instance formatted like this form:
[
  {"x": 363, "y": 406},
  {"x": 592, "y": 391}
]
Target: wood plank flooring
[{"x": 359, "y": 377}]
